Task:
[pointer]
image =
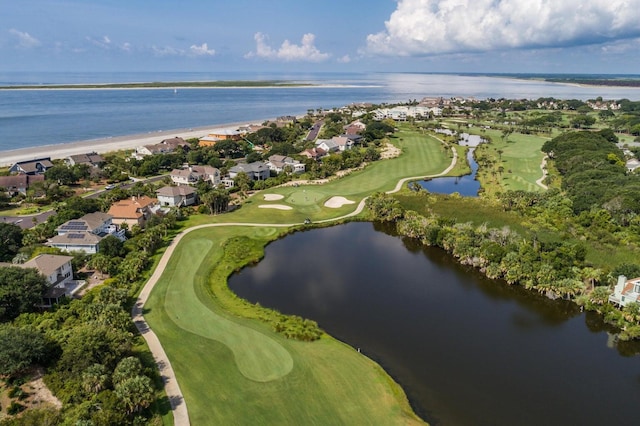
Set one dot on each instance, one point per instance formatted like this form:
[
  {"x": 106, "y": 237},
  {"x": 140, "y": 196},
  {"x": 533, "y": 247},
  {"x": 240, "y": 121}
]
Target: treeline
[
  {"x": 88, "y": 348},
  {"x": 594, "y": 175},
  {"x": 557, "y": 269}
]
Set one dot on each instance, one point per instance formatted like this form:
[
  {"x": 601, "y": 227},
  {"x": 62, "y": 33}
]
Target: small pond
[{"x": 466, "y": 185}]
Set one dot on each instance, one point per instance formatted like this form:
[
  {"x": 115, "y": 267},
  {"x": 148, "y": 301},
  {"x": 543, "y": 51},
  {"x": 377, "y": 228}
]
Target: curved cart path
[{"x": 172, "y": 388}]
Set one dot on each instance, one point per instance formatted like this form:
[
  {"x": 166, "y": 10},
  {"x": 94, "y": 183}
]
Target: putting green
[
  {"x": 267, "y": 361},
  {"x": 305, "y": 197}
]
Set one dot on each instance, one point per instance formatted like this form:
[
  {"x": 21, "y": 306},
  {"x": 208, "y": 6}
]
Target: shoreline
[{"x": 110, "y": 144}]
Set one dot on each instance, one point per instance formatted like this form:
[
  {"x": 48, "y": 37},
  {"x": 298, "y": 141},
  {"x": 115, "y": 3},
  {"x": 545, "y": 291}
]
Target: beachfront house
[
  {"x": 166, "y": 146},
  {"x": 220, "y": 135},
  {"x": 626, "y": 291},
  {"x": 279, "y": 163},
  {"x": 133, "y": 211},
  {"x": 32, "y": 167},
  {"x": 176, "y": 196},
  {"x": 256, "y": 170},
  {"x": 91, "y": 159}
]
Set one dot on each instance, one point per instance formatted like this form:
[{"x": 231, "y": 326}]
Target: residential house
[
  {"x": 327, "y": 145},
  {"x": 354, "y": 127},
  {"x": 91, "y": 159},
  {"x": 219, "y": 135},
  {"x": 73, "y": 241},
  {"x": 343, "y": 143},
  {"x": 18, "y": 184},
  {"x": 59, "y": 273},
  {"x": 256, "y": 170},
  {"x": 632, "y": 164},
  {"x": 133, "y": 211},
  {"x": 278, "y": 163},
  {"x": 176, "y": 196},
  {"x": 314, "y": 153},
  {"x": 32, "y": 167},
  {"x": 626, "y": 291},
  {"x": 193, "y": 174},
  {"x": 166, "y": 146},
  {"x": 84, "y": 234}
]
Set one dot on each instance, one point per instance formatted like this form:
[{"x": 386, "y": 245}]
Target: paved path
[
  {"x": 543, "y": 167},
  {"x": 172, "y": 388}
]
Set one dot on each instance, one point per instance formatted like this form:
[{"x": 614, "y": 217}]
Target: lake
[{"x": 466, "y": 349}]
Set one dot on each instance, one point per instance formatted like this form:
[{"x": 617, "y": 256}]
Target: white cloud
[
  {"x": 126, "y": 46},
  {"x": 104, "y": 42},
  {"x": 25, "y": 40},
  {"x": 344, "y": 59},
  {"x": 305, "y": 51},
  {"x": 202, "y": 50},
  {"x": 166, "y": 51},
  {"x": 423, "y": 27}
]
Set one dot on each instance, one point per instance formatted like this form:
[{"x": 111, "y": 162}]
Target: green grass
[
  {"x": 232, "y": 368},
  {"x": 237, "y": 371}
]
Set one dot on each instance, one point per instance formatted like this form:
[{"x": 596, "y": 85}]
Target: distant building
[
  {"x": 32, "y": 167},
  {"x": 256, "y": 171},
  {"x": 219, "y": 135},
  {"x": 91, "y": 159},
  {"x": 314, "y": 153},
  {"x": 166, "y": 146},
  {"x": 193, "y": 174},
  {"x": 278, "y": 163},
  {"x": 18, "y": 184}
]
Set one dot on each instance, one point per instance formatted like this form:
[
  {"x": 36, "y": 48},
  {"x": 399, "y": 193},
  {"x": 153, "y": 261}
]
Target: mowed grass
[
  {"x": 237, "y": 371},
  {"x": 520, "y": 158},
  {"x": 422, "y": 155}
]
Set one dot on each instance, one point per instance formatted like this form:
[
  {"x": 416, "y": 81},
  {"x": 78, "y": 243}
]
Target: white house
[
  {"x": 176, "y": 196},
  {"x": 328, "y": 145},
  {"x": 84, "y": 234},
  {"x": 625, "y": 291},
  {"x": 59, "y": 273},
  {"x": 194, "y": 174},
  {"x": 278, "y": 163}
]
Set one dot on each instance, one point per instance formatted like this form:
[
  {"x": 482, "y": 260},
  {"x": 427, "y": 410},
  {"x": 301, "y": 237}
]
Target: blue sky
[{"x": 544, "y": 36}]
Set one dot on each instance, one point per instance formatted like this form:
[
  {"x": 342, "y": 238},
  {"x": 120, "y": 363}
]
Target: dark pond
[
  {"x": 467, "y": 350},
  {"x": 466, "y": 185}
]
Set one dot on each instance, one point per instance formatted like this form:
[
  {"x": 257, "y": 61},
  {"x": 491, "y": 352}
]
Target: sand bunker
[
  {"x": 273, "y": 197},
  {"x": 275, "y": 206},
  {"x": 337, "y": 202}
]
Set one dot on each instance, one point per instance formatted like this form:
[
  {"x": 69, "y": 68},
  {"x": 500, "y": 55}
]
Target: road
[
  {"x": 172, "y": 388},
  {"x": 27, "y": 221}
]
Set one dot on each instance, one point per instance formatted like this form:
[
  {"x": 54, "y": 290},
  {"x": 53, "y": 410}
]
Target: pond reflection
[{"x": 467, "y": 350}]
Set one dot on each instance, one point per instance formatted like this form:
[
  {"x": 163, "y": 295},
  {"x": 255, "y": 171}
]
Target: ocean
[{"x": 31, "y": 118}]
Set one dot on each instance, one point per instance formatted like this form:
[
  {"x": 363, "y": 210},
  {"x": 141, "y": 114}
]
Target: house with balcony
[
  {"x": 176, "y": 196},
  {"x": 626, "y": 291},
  {"x": 256, "y": 170},
  {"x": 84, "y": 234},
  {"x": 193, "y": 174},
  {"x": 279, "y": 163},
  {"x": 133, "y": 211},
  {"x": 32, "y": 167},
  {"x": 59, "y": 273}
]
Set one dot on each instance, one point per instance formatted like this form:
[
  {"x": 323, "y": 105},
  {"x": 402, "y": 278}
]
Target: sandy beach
[{"x": 116, "y": 143}]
